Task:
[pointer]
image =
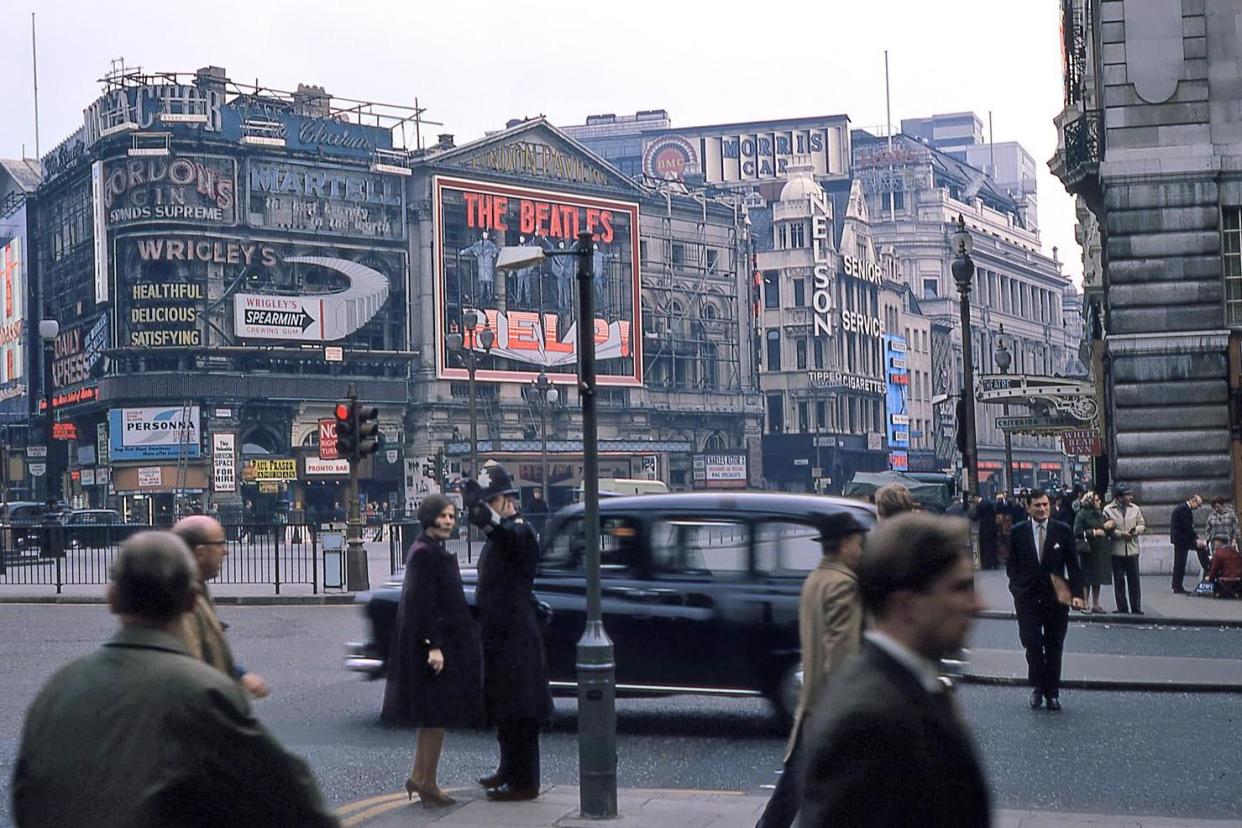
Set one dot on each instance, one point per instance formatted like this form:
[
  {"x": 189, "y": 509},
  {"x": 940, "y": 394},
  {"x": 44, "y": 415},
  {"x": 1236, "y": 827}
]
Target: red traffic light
[{"x": 342, "y": 411}]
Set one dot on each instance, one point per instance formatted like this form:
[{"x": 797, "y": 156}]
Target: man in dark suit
[
  {"x": 1043, "y": 549},
  {"x": 888, "y": 746},
  {"x": 1183, "y": 536}
]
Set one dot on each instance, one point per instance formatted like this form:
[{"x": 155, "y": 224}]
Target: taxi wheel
[{"x": 784, "y": 695}]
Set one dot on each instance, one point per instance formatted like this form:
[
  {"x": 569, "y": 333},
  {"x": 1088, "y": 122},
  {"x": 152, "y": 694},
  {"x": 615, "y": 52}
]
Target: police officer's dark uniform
[{"x": 515, "y": 675}]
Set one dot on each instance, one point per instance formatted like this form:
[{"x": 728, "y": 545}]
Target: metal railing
[
  {"x": 1084, "y": 144},
  {"x": 276, "y": 554}
]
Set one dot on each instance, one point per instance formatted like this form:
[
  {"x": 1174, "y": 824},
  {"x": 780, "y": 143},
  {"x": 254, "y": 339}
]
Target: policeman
[{"x": 515, "y": 674}]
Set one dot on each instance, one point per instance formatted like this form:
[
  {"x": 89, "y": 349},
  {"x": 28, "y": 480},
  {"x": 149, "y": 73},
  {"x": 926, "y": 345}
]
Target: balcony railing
[{"x": 1084, "y": 146}]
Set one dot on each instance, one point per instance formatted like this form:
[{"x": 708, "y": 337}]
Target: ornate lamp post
[
  {"x": 466, "y": 351},
  {"x": 1003, "y": 360},
  {"x": 547, "y": 395},
  {"x": 963, "y": 274}
]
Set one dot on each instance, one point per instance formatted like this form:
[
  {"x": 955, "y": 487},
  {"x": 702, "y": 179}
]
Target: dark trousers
[
  {"x": 1041, "y": 629},
  {"x": 989, "y": 554},
  {"x": 519, "y": 752},
  {"x": 1179, "y": 565},
  {"x": 1126, "y": 582},
  {"x": 782, "y": 808}
]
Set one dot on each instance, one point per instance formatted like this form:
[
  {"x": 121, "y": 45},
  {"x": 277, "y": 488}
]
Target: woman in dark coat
[
  {"x": 435, "y": 664},
  {"x": 1091, "y": 530}
]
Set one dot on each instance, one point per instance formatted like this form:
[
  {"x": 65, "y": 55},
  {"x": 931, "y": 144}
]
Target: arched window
[
  {"x": 774, "y": 351},
  {"x": 259, "y": 442},
  {"x": 715, "y": 442}
]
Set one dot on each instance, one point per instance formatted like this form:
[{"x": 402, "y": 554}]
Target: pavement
[{"x": 557, "y": 807}]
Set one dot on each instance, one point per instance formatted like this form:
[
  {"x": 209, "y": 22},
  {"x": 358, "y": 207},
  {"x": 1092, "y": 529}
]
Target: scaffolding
[
  {"x": 309, "y": 101},
  {"x": 690, "y": 296}
]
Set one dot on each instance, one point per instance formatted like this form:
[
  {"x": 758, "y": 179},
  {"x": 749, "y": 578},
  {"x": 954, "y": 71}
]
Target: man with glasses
[{"x": 201, "y": 628}]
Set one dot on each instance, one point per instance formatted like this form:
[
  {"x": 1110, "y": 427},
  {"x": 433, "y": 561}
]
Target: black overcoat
[
  {"x": 433, "y": 613},
  {"x": 515, "y": 672}
]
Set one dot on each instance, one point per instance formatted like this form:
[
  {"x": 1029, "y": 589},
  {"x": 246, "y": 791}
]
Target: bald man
[{"x": 201, "y": 628}]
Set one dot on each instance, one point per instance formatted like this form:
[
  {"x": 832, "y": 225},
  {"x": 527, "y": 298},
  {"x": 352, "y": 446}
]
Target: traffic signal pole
[{"x": 356, "y": 574}]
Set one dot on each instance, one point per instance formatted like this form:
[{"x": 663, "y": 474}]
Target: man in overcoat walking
[
  {"x": 829, "y": 630},
  {"x": 141, "y": 734},
  {"x": 202, "y": 630},
  {"x": 515, "y": 673},
  {"x": 887, "y": 746},
  {"x": 1043, "y": 553}
]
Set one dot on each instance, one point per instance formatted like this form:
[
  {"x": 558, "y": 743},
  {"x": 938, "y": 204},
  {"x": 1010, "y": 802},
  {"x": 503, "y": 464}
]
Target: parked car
[
  {"x": 96, "y": 527},
  {"x": 700, "y": 593},
  {"x": 20, "y": 521}
]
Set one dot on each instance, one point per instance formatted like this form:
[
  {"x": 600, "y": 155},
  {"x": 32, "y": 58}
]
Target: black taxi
[{"x": 700, "y": 592}]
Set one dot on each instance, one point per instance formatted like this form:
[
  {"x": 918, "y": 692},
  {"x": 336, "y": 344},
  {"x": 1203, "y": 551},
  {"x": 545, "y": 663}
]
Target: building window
[
  {"x": 776, "y": 414},
  {"x": 1233, "y": 265},
  {"x": 894, "y": 201},
  {"x": 774, "y": 350},
  {"x": 819, "y": 354},
  {"x": 931, "y": 288},
  {"x": 804, "y": 424},
  {"x": 800, "y": 354},
  {"x": 797, "y": 234},
  {"x": 713, "y": 258},
  {"x": 799, "y": 298},
  {"x": 771, "y": 289},
  {"x": 821, "y": 415},
  {"x": 679, "y": 253},
  {"x": 782, "y": 237}
]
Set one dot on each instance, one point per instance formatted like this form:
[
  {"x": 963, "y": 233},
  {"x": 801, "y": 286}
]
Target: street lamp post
[
  {"x": 547, "y": 396},
  {"x": 597, "y": 682},
  {"x": 49, "y": 329},
  {"x": 963, "y": 274},
  {"x": 465, "y": 349},
  {"x": 1003, "y": 361}
]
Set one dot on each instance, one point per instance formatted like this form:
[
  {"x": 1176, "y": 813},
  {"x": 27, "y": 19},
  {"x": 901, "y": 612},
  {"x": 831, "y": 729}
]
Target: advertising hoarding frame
[
  {"x": 164, "y": 450},
  {"x": 440, "y": 183}
]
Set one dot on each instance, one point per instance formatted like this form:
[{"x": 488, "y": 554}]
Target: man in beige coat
[
  {"x": 830, "y": 630},
  {"x": 201, "y": 629},
  {"x": 1128, "y": 525}
]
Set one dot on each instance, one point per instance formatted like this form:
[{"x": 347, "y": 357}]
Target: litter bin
[{"x": 333, "y": 545}]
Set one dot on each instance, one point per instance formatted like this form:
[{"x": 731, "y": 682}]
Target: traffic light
[
  {"x": 367, "y": 430},
  {"x": 347, "y": 430}
]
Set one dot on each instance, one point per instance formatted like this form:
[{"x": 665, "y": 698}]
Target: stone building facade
[
  {"x": 1150, "y": 140},
  {"x": 916, "y": 193}
]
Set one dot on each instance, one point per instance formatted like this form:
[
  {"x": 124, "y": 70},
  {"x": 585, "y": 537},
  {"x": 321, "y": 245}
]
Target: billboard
[
  {"x": 533, "y": 312},
  {"x": 189, "y": 189},
  {"x": 154, "y": 433},
  {"x": 721, "y": 471},
  {"x": 324, "y": 200},
  {"x": 291, "y": 291},
  {"x": 224, "y": 462},
  {"x": 12, "y": 312}
]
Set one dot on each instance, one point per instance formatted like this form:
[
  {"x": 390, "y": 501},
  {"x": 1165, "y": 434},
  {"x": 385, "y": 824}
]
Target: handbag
[{"x": 1205, "y": 589}]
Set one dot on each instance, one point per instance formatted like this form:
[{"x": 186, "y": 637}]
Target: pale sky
[{"x": 475, "y": 65}]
